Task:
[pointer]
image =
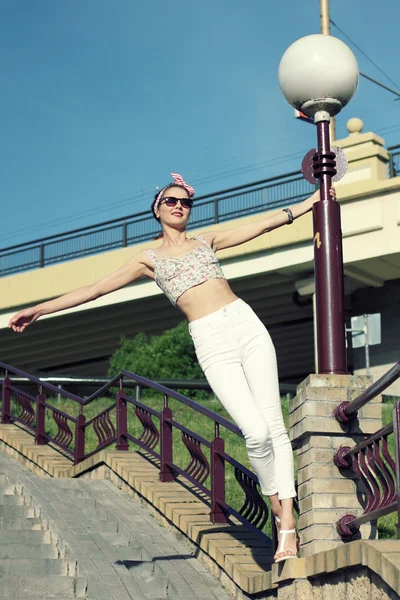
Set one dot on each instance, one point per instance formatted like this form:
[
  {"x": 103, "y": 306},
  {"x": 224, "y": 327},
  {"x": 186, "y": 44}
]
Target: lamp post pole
[
  {"x": 318, "y": 75},
  {"x": 328, "y": 260}
]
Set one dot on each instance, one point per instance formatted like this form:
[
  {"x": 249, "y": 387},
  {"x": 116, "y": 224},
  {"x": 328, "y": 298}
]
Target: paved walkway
[{"x": 106, "y": 545}]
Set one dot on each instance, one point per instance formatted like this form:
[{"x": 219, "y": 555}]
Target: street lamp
[{"x": 318, "y": 76}]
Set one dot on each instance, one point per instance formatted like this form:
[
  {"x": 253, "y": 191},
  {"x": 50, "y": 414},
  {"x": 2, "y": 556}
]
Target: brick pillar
[{"x": 324, "y": 492}]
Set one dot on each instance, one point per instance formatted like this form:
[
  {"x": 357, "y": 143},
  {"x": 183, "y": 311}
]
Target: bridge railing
[
  {"x": 240, "y": 201},
  {"x": 394, "y": 161},
  {"x": 232, "y": 203},
  {"x": 206, "y": 458},
  {"x": 371, "y": 461}
]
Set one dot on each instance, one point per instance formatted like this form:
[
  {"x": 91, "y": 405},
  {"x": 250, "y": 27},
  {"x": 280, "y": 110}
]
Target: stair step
[
  {"x": 47, "y": 598},
  {"x": 12, "y": 511},
  {"x": 41, "y": 587},
  {"x": 117, "y": 540},
  {"x": 102, "y": 526},
  {"x": 36, "y": 566},
  {"x": 153, "y": 587},
  {"x": 11, "y": 500},
  {"x": 27, "y": 537},
  {"x": 21, "y": 524},
  {"x": 10, "y": 488},
  {"x": 15, "y": 550},
  {"x": 96, "y": 513},
  {"x": 78, "y": 494}
]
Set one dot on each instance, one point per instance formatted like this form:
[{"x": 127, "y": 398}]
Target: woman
[{"x": 232, "y": 345}]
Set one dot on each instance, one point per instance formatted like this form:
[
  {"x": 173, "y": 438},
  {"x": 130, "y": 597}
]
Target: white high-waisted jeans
[{"x": 238, "y": 358}]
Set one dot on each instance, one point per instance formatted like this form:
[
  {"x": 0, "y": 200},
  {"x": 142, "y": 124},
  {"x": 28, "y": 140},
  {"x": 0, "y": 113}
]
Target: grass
[
  {"x": 387, "y": 524},
  {"x": 234, "y": 446}
]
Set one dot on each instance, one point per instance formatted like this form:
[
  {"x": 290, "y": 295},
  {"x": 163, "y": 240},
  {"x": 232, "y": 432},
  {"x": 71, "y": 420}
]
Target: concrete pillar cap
[{"x": 355, "y": 125}]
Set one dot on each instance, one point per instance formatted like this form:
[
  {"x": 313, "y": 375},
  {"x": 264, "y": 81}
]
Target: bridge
[{"x": 274, "y": 273}]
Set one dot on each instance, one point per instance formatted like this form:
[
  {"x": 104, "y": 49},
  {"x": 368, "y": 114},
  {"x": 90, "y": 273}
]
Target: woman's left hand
[{"x": 316, "y": 197}]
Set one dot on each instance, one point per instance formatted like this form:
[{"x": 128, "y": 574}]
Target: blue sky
[{"x": 102, "y": 99}]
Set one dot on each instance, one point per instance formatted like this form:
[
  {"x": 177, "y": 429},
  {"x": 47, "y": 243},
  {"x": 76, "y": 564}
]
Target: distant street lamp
[{"x": 318, "y": 76}]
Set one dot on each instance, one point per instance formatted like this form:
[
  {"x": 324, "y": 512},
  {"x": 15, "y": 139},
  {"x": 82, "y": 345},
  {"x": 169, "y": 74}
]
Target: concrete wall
[{"x": 386, "y": 301}]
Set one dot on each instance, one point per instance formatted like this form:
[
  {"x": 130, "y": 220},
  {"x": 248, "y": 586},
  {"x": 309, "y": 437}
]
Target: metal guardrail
[
  {"x": 371, "y": 462},
  {"x": 232, "y": 203},
  {"x": 240, "y": 201},
  {"x": 67, "y": 382},
  {"x": 394, "y": 161},
  {"x": 206, "y": 458}
]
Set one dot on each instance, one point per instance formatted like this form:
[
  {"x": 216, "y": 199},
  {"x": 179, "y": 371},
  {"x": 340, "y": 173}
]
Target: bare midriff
[{"x": 206, "y": 298}]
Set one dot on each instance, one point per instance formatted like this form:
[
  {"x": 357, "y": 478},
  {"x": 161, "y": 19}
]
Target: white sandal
[{"x": 281, "y": 549}]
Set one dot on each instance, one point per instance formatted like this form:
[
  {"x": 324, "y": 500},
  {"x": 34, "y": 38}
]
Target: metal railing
[
  {"x": 371, "y": 461},
  {"x": 394, "y": 161},
  {"x": 111, "y": 426},
  {"x": 232, "y": 203},
  {"x": 71, "y": 382}
]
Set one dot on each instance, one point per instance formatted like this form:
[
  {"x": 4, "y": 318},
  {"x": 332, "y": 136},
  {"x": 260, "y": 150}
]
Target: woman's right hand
[{"x": 20, "y": 321}]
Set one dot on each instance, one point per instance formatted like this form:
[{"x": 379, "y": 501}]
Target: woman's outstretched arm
[
  {"x": 129, "y": 272},
  {"x": 244, "y": 233}
]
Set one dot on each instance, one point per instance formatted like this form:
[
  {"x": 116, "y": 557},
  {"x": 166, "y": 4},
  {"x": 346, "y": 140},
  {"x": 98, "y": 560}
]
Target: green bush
[{"x": 170, "y": 355}]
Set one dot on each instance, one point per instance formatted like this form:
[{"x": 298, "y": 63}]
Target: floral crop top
[{"x": 176, "y": 275}]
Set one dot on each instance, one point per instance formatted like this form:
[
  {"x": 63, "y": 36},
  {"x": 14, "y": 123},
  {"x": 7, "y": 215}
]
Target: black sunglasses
[{"x": 171, "y": 201}]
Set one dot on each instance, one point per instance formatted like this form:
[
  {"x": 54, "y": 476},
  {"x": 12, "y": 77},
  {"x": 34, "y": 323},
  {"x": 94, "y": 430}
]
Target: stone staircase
[
  {"x": 32, "y": 562},
  {"x": 70, "y": 538}
]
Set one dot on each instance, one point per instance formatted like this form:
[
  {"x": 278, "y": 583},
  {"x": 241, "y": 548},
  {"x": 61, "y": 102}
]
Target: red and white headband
[{"x": 177, "y": 181}]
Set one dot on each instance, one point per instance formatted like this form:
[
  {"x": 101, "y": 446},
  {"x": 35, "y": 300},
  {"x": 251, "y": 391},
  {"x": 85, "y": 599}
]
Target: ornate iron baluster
[
  {"x": 375, "y": 468},
  {"x": 64, "y": 433},
  {"x": 382, "y": 473},
  {"x": 198, "y": 467},
  {"x": 150, "y": 434},
  {"x": 103, "y": 428},
  {"x": 254, "y": 508},
  {"x": 391, "y": 463},
  {"x": 27, "y": 414}
]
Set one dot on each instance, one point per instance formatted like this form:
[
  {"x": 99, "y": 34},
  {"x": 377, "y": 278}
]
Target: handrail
[
  {"x": 175, "y": 384},
  {"x": 378, "y": 474},
  {"x": 370, "y": 461},
  {"x": 138, "y": 379},
  {"x": 195, "y": 384},
  {"x": 191, "y": 403},
  {"x": 38, "y": 381},
  {"x": 111, "y": 427},
  {"x": 347, "y": 411}
]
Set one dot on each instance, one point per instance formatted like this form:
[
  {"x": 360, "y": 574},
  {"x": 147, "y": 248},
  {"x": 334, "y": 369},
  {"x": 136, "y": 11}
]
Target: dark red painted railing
[
  {"x": 376, "y": 469},
  {"x": 205, "y": 458}
]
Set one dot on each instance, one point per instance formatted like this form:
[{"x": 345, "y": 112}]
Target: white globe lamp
[{"x": 318, "y": 74}]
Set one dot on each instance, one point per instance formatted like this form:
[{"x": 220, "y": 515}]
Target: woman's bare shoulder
[
  {"x": 208, "y": 236},
  {"x": 144, "y": 257}
]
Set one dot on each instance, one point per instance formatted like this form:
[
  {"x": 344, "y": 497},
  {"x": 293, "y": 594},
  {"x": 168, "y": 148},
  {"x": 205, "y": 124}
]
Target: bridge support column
[{"x": 326, "y": 493}]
